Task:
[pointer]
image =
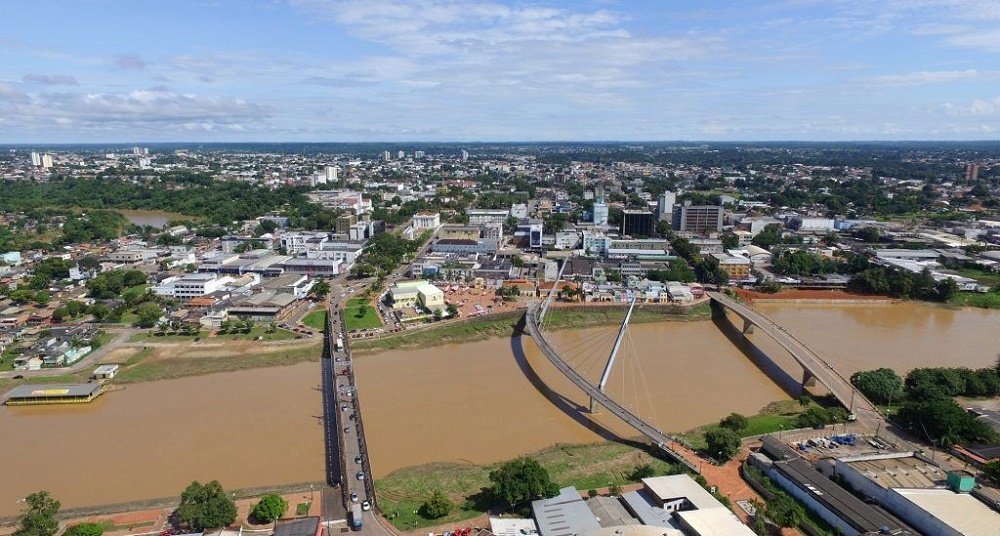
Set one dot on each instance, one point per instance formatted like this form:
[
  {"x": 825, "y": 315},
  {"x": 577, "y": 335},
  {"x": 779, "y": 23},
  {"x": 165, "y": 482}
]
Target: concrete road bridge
[{"x": 814, "y": 368}]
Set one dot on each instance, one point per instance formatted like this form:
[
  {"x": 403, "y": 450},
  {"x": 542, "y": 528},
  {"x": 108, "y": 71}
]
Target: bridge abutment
[
  {"x": 747, "y": 327},
  {"x": 808, "y": 380}
]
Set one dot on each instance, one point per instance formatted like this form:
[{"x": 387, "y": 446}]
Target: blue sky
[{"x": 497, "y": 70}]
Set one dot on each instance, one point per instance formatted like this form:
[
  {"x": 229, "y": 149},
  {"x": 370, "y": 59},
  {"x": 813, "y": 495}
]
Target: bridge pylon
[{"x": 614, "y": 353}]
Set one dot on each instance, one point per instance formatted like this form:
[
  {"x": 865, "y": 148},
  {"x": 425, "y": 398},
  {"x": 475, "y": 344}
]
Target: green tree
[
  {"x": 729, "y": 240},
  {"x": 269, "y": 508},
  {"x": 85, "y": 529},
  {"x": 436, "y": 506},
  {"x": 880, "y": 385},
  {"x": 735, "y": 422},
  {"x": 784, "y": 511},
  {"x": 723, "y": 443},
  {"x": 321, "y": 289},
  {"x": 42, "y": 297},
  {"x": 206, "y": 506},
  {"x": 814, "y": 417},
  {"x": 149, "y": 313},
  {"x": 39, "y": 516},
  {"x": 992, "y": 470},
  {"x": 521, "y": 480},
  {"x": 643, "y": 471},
  {"x": 452, "y": 310}
]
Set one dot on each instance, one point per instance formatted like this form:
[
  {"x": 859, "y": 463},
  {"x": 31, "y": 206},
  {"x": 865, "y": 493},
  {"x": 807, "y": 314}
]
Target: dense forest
[{"x": 198, "y": 196}]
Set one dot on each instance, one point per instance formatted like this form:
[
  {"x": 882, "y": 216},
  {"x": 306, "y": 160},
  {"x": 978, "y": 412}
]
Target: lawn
[
  {"x": 597, "y": 465},
  {"x": 316, "y": 320},
  {"x": 360, "y": 314},
  {"x": 258, "y": 331},
  {"x": 774, "y": 417},
  {"x": 990, "y": 279},
  {"x": 179, "y": 367},
  {"x": 302, "y": 509},
  {"x": 989, "y": 300},
  {"x": 151, "y": 336}
]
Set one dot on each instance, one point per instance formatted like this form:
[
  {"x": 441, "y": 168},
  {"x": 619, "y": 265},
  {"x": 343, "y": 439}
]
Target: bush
[
  {"x": 436, "y": 506},
  {"x": 270, "y": 507},
  {"x": 723, "y": 443},
  {"x": 85, "y": 529},
  {"x": 814, "y": 417},
  {"x": 735, "y": 422}
]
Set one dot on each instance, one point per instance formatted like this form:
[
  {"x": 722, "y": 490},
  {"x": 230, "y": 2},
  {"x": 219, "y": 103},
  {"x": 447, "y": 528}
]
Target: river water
[
  {"x": 476, "y": 402},
  {"x": 245, "y": 429}
]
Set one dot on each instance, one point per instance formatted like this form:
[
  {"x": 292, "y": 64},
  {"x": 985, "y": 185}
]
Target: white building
[
  {"x": 595, "y": 244},
  {"x": 519, "y": 211},
  {"x": 36, "y": 159},
  {"x": 331, "y": 173},
  {"x": 423, "y": 221},
  {"x": 479, "y": 216},
  {"x": 665, "y": 206},
  {"x": 46, "y": 160},
  {"x": 600, "y": 212},
  {"x": 191, "y": 285},
  {"x": 812, "y": 225}
]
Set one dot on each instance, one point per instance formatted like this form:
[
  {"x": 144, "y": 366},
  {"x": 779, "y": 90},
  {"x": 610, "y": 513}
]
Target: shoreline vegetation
[{"x": 506, "y": 325}]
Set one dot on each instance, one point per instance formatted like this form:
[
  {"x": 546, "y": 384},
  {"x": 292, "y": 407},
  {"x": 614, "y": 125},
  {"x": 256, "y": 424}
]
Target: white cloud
[
  {"x": 50, "y": 79},
  {"x": 975, "y": 108},
  {"x": 920, "y": 78}
]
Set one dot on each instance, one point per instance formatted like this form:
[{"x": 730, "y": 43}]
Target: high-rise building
[
  {"x": 418, "y": 154},
  {"x": 600, "y": 211},
  {"x": 36, "y": 159},
  {"x": 331, "y": 173},
  {"x": 46, "y": 160},
  {"x": 698, "y": 218},
  {"x": 386, "y": 155},
  {"x": 638, "y": 223},
  {"x": 665, "y": 206},
  {"x": 971, "y": 172},
  {"x": 400, "y": 155},
  {"x": 465, "y": 155}
]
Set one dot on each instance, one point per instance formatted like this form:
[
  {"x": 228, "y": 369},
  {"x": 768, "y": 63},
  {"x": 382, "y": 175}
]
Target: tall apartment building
[
  {"x": 665, "y": 206},
  {"x": 698, "y": 218},
  {"x": 36, "y": 159},
  {"x": 638, "y": 223},
  {"x": 600, "y": 211}
]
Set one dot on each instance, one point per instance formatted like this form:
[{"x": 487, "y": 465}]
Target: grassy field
[
  {"x": 145, "y": 369},
  {"x": 584, "y": 466},
  {"x": 990, "y": 279},
  {"x": 774, "y": 417},
  {"x": 316, "y": 320},
  {"x": 359, "y": 314},
  {"x": 504, "y": 324},
  {"x": 79, "y": 377},
  {"x": 989, "y": 300},
  {"x": 258, "y": 331}
]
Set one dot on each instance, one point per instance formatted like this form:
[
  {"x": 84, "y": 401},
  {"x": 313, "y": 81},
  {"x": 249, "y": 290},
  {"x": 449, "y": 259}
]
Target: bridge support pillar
[
  {"x": 747, "y": 327},
  {"x": 594, "y": 406},
  {"x": 808, "y": 380}
]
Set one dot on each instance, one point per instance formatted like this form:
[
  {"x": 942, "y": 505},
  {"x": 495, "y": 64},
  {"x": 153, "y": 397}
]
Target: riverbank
[
  {"x": 506, "y": 324},
  {"x": 180, "y": 359},
  {"x": 811, "y": 297},
  {"x": 586, "y": 466}
]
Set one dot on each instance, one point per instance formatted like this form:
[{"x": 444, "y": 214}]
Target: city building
[
  {"x": 811, "y": 225},
  {"x": 479, "y": 216},
  {"x": 699, "y": 219},
  {"x": 189, "y": 286},
  {"x": 408, "y": 294},
  {"x": 423, "y": 221},
  {"x": 600, "y": 211},
  {"x": 638, "y": 223},
  {"x": 736, "y": 267},
  {"x": 665, "y": 206}
]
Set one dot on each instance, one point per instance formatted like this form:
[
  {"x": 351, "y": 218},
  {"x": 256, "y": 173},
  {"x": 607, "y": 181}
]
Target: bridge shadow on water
[
  {"x": 330, "y": 415},
  {"x": 577, "y": 412},
  {"x": 788, "y": 383}
]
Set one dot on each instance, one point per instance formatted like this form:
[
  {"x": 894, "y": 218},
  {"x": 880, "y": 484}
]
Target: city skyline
[{"x": 106, "y": 71}]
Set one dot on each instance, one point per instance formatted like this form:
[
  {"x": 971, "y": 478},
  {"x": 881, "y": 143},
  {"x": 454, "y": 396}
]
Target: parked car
[
  {"x": 354, "y": 497},
  {"x": 361, "y": 475}
]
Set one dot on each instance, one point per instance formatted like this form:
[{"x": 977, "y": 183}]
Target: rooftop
[
  {"x": 962, "y": 512},
  {"x": 903, "y": 472},
  {"x": 565, "y": 514},
  {"x": 306, "y": 526},
  {"x": 666, "y": 488},
  {"x": 714, "y": 522},
  {"x": 48, "y": 391}
]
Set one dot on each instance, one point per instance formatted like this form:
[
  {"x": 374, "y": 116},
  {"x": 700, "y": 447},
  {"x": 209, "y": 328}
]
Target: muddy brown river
[{"x": 476, "y": 402}]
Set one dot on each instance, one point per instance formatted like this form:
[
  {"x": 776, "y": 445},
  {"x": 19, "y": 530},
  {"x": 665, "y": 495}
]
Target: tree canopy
[
  {"x": 723, "y": 443},
  {"x": 269, "y": 508},
  {"x": 206, "y": 506},
  {"x": 39, "y": 516},
  {"x": 880, "y": 385},
  {"x": 521, "y": 480}
]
